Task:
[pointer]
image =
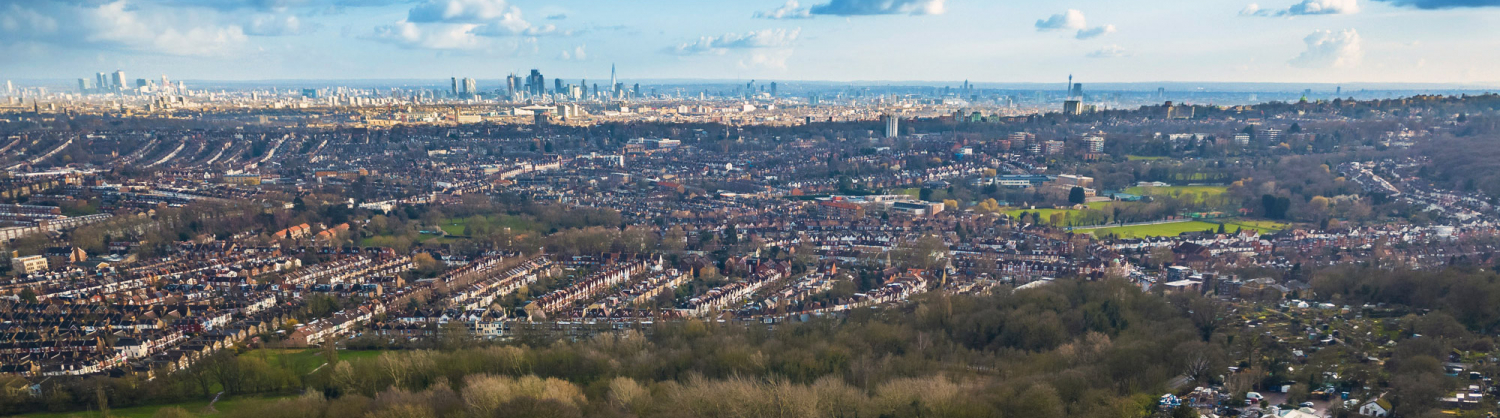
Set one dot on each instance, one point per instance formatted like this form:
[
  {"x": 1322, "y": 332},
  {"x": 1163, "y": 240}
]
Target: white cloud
[
  {"x": 880, "y": 7},
  {"x": 774, "y": 59},
  {"x": 1112, "y": 51},
  {"x": 790, "y": 10},
  {"x": 1073, "y": 20},
  {"x": 1330, "y": 49},
  {"x": 461, "y": 11},
  {"x": 429, "y": 36},
  {"x": 769, "y": 38},
  {"x": 274, "y": 25},
  {"x": 1305, "y": 8},
  {"x": 119, "y": 25},
  {"x": 461, "y": 24},
  {"x": 576, "y": 54},
  {"x": 1070, "y": 20},
  {"x": 1095, "y": 32}
]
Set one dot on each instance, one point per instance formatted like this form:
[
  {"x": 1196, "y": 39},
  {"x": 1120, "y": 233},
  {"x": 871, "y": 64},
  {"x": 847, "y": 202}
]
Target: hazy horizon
[{"x": 862, "y": 41}]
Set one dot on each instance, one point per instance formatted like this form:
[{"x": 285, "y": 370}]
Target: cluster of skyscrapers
[
  {"x": 468, "y": 90},
  {"x": 117, "y": 83},
  {"x": 534, "y": 87}
]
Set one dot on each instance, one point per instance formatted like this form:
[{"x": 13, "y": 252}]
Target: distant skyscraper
[
  {"x": 1072, "y": 107},
  {"x": 454, "y": 89},
  {"x": 9, "y": 89},
  {"x": 773, "y": 89},
  {"x": 614, "y": 85},
  {"x": 536, "y": 84},
  {"x": 119, "y": 80},
  {"x": 83, "y": 86},
  {"x": 892, "y": 126},
  {"x": 557, "y": 86},
  {"x": 101, "y": 81},
  {"x": 1077, "y": 91},
  {"x": 512, "y": 85}
]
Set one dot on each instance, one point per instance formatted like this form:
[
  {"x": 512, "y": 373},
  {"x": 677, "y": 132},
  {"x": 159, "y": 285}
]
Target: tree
[
  {"x": 731, "y": 235},
  {"x": 1077, "y": 196}
]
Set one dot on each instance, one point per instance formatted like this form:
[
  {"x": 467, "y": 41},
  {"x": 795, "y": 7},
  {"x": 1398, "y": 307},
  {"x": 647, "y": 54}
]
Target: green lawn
[
  {"x": 299, "y": 361},
  {"x": 454, "y": 226},
  {"x": 1046, "y": 214},
  {"x": 195, "y": 407},
  {"x": 1172, "y": 191},
  {"x": 1157, "y": 230},
  {"x": 1265, "y": 227}
]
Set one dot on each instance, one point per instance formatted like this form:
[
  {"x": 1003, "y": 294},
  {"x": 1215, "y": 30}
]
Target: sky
[{"x": 1323, "y": 41}]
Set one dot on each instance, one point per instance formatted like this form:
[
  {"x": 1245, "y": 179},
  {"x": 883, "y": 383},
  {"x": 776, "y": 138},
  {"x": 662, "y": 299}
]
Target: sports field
[
  {"x": 1200, "y": 191},
  {"x": 1046, "y": 214},
  {"x": 1265, "y": 227},
  {"x": 1156, "y": 230}
]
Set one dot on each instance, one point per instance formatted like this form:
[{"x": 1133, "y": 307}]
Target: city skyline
[{"x": 1321, "y": 41}]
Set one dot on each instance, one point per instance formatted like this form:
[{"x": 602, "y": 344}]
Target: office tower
[
  {"x": 892, "y": 126},
  {"x": 1077, "y": 91},
  {"x": 636, "y": 90},
  {"x": 101, "y": 82},
  {"x": 9, "y": 89},
  {"x": 140, "y": 83},
  {"x": 310, "y": 93},
  {"x": 83, "y": 86},
  {"x": 613, "y": 83},
  {"x": 773, "y": 89},
  {"x": 470, "y": 88},
  {"x": 1072, "y": 107},
  {"x": 596, "y": 89},
  {"x": 583, "y": 88},
  {"x": 165, "y": 84},
  {"x": 454, "y": 82},
  {"x": 512, "y": 85},
  {"x": 536, "y": 84},
  {"x": 557, "y": 86},
  {"x": 119, "y": 80},
  {"x": 812, "y": 100}
]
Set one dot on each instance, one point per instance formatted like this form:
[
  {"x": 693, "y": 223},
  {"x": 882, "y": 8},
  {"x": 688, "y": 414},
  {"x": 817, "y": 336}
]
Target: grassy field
[
  {"x": 1201, "y": 191},
  {"x": 1157, "y": 230},
  {"x": 299, "y": 361},
  {"x": 1265, "y": 227},
  {"x": 455, "y": 226},
  {"x": 195, "y": 407},
  {"x": 1143, "y": 158},
  {"x": 1047, "y": 213}
]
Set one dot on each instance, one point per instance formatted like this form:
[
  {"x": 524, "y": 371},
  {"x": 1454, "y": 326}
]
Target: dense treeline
[{"x": 1069, "y": 349}]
